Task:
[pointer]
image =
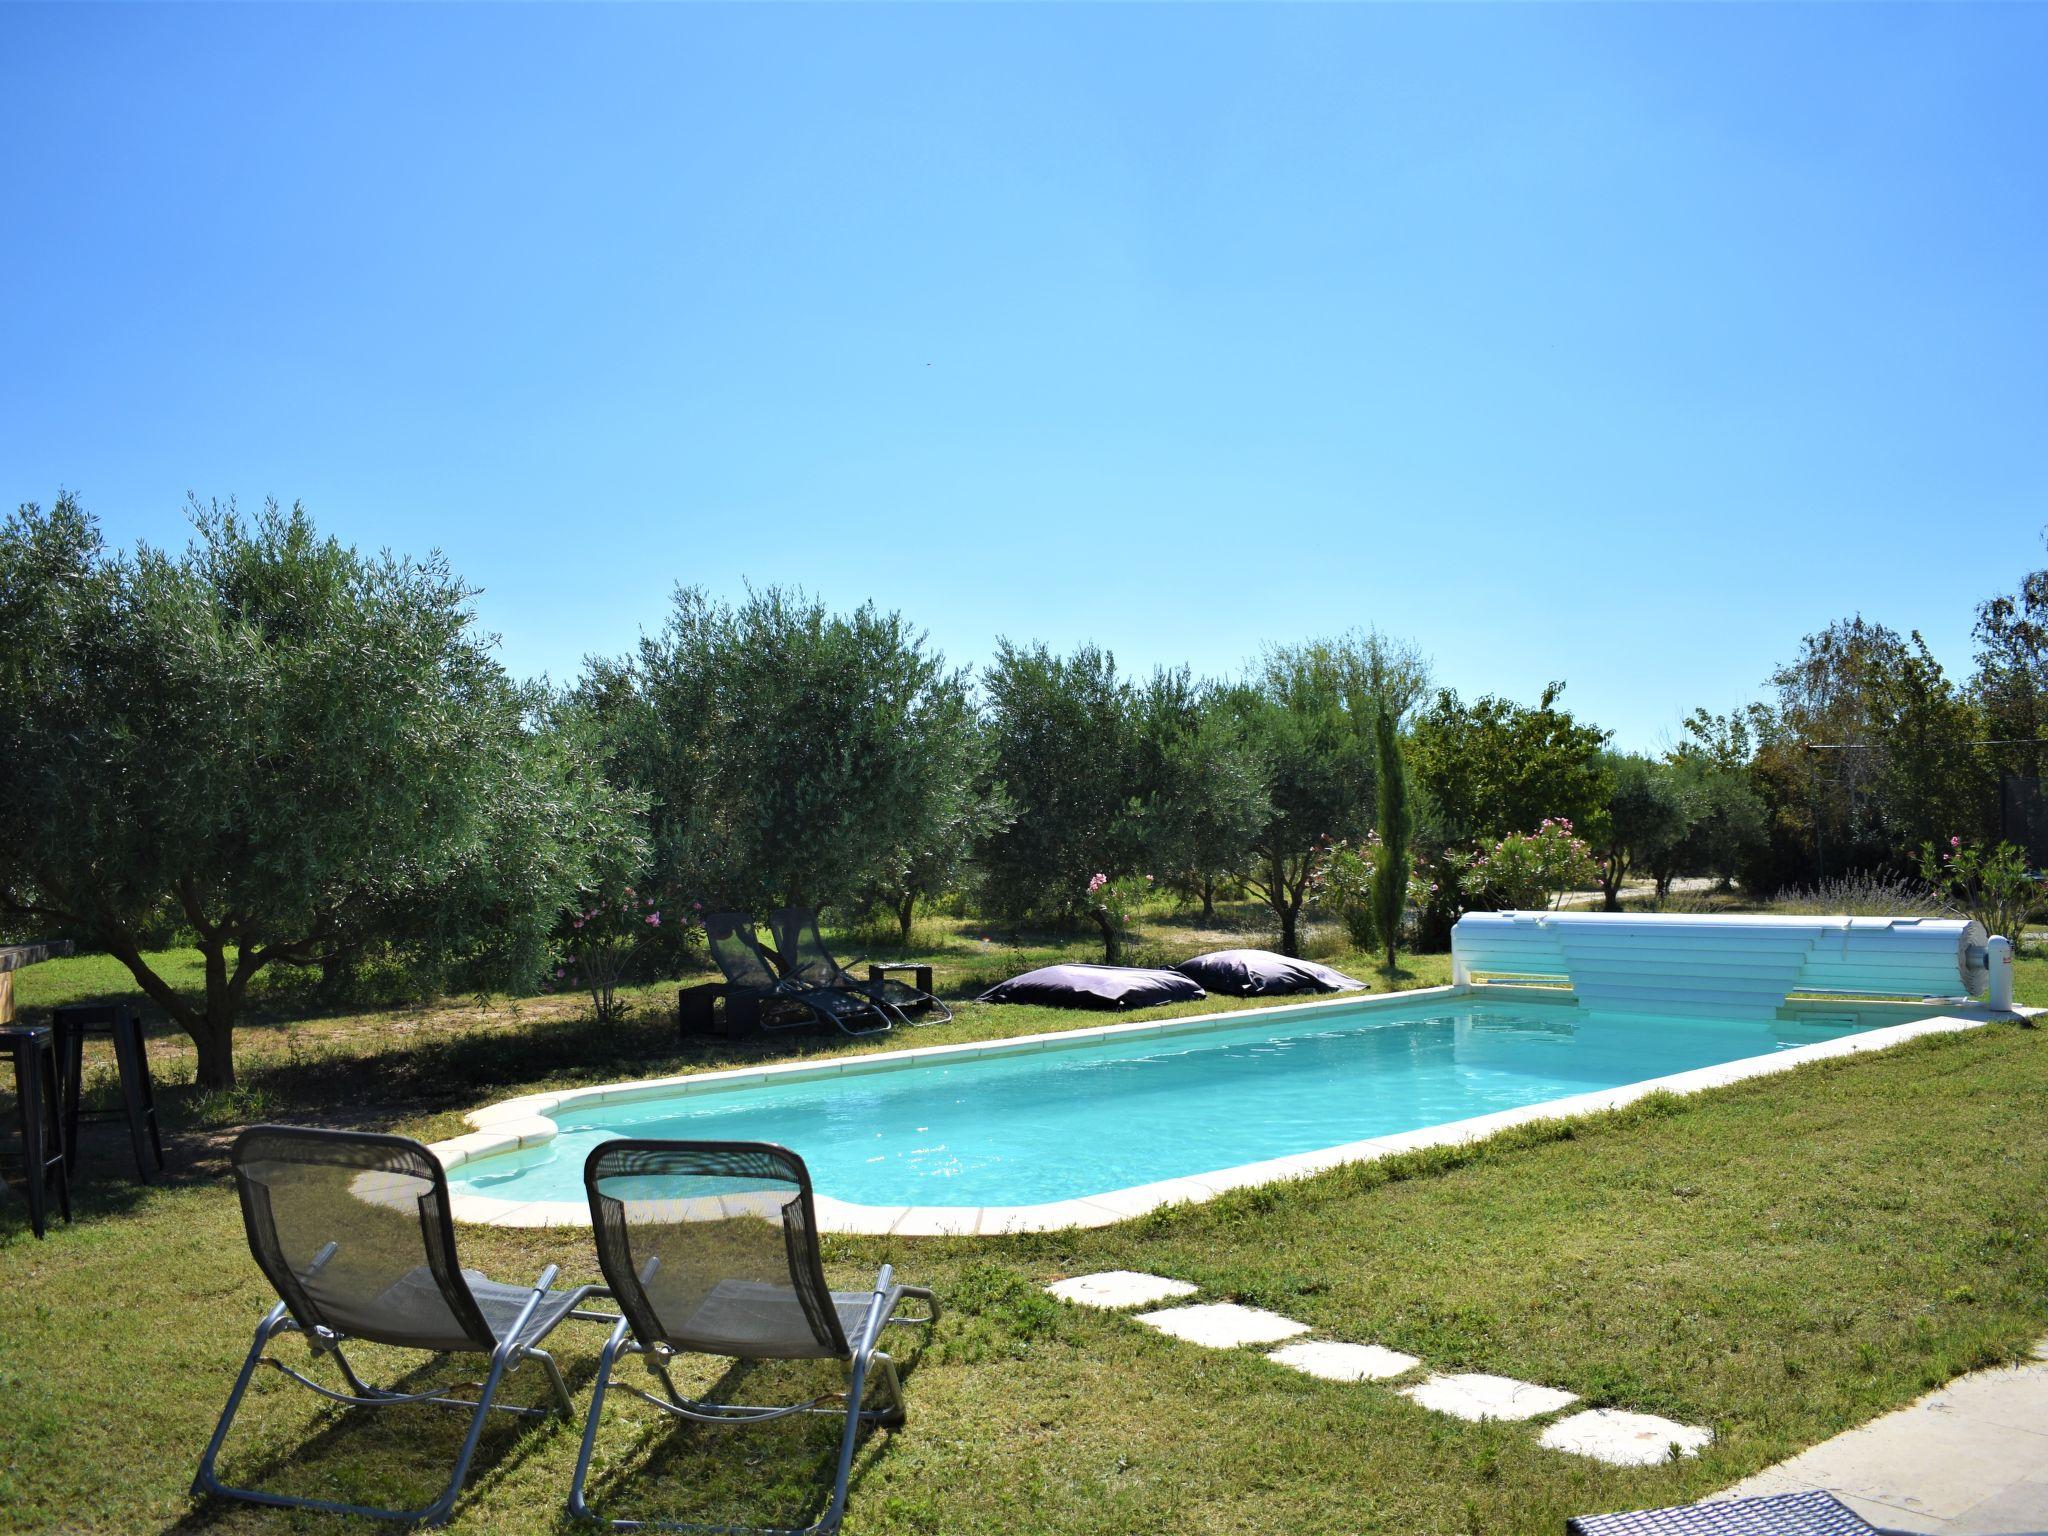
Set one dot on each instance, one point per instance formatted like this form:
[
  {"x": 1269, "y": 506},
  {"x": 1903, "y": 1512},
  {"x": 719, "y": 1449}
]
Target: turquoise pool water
[
  {"x": 1133, "y": 1108},
  {"x": 1122, "y": 1110}
]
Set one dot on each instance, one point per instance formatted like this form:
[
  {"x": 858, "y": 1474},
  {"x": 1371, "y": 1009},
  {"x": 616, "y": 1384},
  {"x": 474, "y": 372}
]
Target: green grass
[{"x": 1779, "y": 1260}]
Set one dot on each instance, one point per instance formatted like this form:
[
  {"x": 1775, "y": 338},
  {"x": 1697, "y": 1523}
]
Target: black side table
[
  {"x": 697, "y": 1013},
  {"x": 921, "y": 975},
  {"x": 131, "y": 1060},
  {"x": 42, "y": 1142}
]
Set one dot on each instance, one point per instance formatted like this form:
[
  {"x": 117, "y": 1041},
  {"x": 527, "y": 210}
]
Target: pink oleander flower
[
  {"x": 578, "y": 923},
  {"x": 1097, "y": 883},
  {"x": 654, "y": 919},
  {"x": 1955, "y": 842}
]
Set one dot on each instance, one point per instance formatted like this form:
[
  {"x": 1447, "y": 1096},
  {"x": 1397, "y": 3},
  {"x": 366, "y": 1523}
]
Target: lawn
[{"x": 1778, "y": 1260}]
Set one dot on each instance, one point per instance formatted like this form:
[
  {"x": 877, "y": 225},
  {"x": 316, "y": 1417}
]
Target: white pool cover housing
[{"x": 1727, "y": 966}]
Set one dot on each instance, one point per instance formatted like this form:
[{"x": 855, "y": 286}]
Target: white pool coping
[{"x": 527, "y": 1121}]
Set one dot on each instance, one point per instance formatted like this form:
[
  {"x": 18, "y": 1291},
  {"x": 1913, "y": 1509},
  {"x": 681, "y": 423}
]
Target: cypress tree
[{"x": 1394, "y": 823}]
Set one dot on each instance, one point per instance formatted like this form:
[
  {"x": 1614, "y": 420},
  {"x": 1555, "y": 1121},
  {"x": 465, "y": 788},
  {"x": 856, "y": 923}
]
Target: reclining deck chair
[
  {"x": 750, "y": 974},
  {"x": 352, "y": 1229},
  {"x": 804, "y": 956},
  {"x": 712, "y": 1247}
]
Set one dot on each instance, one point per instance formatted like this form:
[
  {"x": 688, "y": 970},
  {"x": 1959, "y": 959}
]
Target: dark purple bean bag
[
  {"x": 1094, "y": 986},
  {"x": 1261, "y": 973}
]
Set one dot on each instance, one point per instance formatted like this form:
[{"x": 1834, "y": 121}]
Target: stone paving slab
[
  {"x": 1623, "y": 1439},
  {"x": 1115, "y": 1288},
  {"x": 1476, "y": 1395},
  {"x": 1344, "y": 1362},
  {"x": 1223, "y": 1324},
  {"x": 1968, "y": 1460}
]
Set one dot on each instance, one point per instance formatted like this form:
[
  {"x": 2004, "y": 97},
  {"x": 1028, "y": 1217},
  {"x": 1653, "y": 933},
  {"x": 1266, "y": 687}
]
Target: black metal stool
[
  {"x": 42, "y": 1142},
  {"x": 131, "y": 1060}
]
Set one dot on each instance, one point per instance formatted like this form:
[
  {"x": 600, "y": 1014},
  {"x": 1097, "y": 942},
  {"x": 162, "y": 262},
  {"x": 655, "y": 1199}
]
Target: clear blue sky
[{"x": 1622, "y": 345}]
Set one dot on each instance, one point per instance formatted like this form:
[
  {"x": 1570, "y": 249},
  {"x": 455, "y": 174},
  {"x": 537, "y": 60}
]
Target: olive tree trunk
[{"x": 1112, "y": 938}]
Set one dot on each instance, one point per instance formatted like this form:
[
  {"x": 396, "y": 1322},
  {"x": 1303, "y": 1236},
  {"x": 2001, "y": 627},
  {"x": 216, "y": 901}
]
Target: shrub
[
  {"x": 607, "y": 939},
  {"x": 1993, "y": 885},
  {"x": 1535, "y": 869},
  {"x": 1446, "y": 887},
  {"x": 1860, "y": 895},
  {"x": 1343, "y": 884}
]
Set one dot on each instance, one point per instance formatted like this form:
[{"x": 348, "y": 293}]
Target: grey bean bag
[
  {"x": 1261, "y": 973},
  {"x": 1095, "y": 986}
]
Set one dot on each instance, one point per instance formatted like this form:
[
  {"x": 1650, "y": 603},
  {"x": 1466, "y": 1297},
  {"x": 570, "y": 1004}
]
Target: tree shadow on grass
[
  {"x": 395, "y": 1457},
  {"x": 648, "y": 1464},
  {"x": 368, "y": 1089},
  {"x": 1234, "y": 917},
  {"x": 777, "y": 1475}
]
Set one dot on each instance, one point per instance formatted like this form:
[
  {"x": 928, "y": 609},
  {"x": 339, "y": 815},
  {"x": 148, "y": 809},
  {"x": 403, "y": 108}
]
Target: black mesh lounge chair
[
  {"x": 805, "y": 957},
  {"x": 1812, "y": 1513},
  {"x": 749, "y": 972},
  {"x": 353, "y": 1231},
  {"x": 711, "y": 1247}
]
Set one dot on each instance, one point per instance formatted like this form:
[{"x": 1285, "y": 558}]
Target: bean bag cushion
[
  {"x": 1095, "y": 986},
  {"x": 1261, "y": 973}
]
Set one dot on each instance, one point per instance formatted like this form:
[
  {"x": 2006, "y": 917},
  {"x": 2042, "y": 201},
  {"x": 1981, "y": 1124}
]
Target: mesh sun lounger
[
  {"x": 805, "y": 957},
  {"x": 353, "y": 1231},
  {"x": 712, "y": 1248},
  {"x": 1778, "y": 1514},
  {"x": 749, "y": 972}
]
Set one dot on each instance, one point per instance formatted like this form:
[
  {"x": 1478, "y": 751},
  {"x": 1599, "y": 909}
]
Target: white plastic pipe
[{"x": 1998, "y": 952}]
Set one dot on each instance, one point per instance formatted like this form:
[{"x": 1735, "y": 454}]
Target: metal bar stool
[
  {"x": 131, "y": 1060},
  {"x": 42, "y": 1142}
]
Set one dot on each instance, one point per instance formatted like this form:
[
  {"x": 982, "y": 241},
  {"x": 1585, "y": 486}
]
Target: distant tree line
[{"x": 290, "y": 754}]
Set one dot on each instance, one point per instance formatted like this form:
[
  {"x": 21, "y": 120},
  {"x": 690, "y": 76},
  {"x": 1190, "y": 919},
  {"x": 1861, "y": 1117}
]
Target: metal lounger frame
[
  {"x": 863, "y": 1358},
  {"x": 801, "y": 943},
  {"x": 507, "y": 1355},
  {"x": 747, "y": 969}
]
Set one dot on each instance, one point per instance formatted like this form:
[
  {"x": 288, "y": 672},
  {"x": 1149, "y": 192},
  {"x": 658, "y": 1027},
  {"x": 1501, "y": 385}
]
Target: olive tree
[
  {"x": 298, "y": 749},
  {"x": 790, "y": 755},
  {"x": 1310, "y": 714},
  {"x": 958, "y": 807},
  {"x": 1201, "y": 786},
  {"x": 1648, "y": 814},
  {"x": 1064, "y": 750},
  {"x": 1726, "y": 824}
]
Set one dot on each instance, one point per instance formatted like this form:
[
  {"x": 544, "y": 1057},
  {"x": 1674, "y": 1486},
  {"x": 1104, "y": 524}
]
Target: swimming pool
[{"x": 1025, "y": 1133}]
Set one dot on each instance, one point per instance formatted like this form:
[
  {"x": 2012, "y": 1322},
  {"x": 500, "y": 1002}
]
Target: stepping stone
[
  {"x": 1478, "y": 1396},
  {"x": 1345, "y": 1362},
  {"x": 1223, "y": 1324},
  {"x": 1119, "y": 1288},
  {"x": 1623, "y": 1439}
]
